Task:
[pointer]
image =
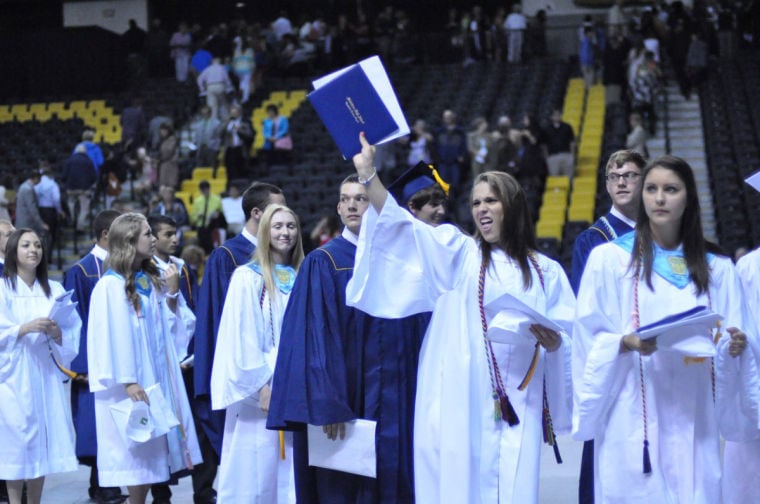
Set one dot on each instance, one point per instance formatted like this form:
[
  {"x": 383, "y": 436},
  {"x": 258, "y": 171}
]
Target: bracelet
[
  {"x": 369, "y": 179},
  {"x": 172, "y": 296}
]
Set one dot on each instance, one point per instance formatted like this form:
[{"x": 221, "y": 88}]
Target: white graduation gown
[
  {"x": 741, "y": 461},
  {"x": 36, "y": 433},
  {"x": 684, "y": 423},
  {"x": 462, "y": 454},
  {"x": 251, "y": 469},
  {"x": 123, "y": 348}
]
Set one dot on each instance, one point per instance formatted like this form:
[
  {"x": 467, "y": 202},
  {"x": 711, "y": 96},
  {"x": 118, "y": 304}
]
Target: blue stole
[
  {"x": 668, "y": 264},
  {"x": 284, "y": 276}
]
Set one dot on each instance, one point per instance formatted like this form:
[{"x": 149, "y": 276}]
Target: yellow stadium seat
[
  {"x": 218, "y": 186},
  {"x": 557, "y": 182},
  {"x": 189, "y": 186},
  {"x": 204, "y": 173},
  {"x": 221, "y": 172},
  {"x": 581, "y": 213},
  {"x": 549, "y": 229}
]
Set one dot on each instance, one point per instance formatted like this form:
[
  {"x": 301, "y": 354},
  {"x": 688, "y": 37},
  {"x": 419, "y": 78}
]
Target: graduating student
[
  {"x": 81, "y": 278},
  {"x": 253, "y": 468},
  {"x": 336, "y": 364},
  {"x": 623, "y": 175},
  {"x": 423, "y": 192},
  {"x": 741, "y": 463},
  {"x": 479, "y": 417},
  {"x": 138, "y": 326},
  {"x": 216, "y": 278},
  {"x": 164, "y": 228},
  {"x": 656, "y": 416},
  {"x": 35, "y": 422}
]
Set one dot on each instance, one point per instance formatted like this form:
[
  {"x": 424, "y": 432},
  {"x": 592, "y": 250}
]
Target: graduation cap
[{"x": 419, "y": 177}]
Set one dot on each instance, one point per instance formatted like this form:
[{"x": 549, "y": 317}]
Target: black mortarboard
[{"x": 419, "y": 177}]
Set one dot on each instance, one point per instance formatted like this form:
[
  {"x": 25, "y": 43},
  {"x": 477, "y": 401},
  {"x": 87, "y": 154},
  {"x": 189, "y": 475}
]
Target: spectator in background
[
  {"x": 79, "y": 178},
  {"x": 586, "y": 57},
  {"x": 277, "y": 139},
  {"x": 559, "y": 141},
  {"x": 133, "y": 125},
  {"x": 480, "y": 144},
  {"x": 168, "y": 156},
  {"x": 214, "y": 83},
  {"x": 243, "y": 64},
  {"x": 49, "y": 202},
  {"x": 450, "y": 149},
  {"x": 327, "y": 228},
  {"x": 232, "y": 207},
  {"x": 282, "y": 26},
  {"x": 207, "y": 207},
  {"x": 134, "y": 46},
  {"x": 613, "y": 68},
  {"x": 27, "y": 210},
  {"x": 93, "y": 149},
  {"x": 420, "y": 143},
  {"x": 696, "y": 62},
  {"x": 171, "y": 206},
  {"x": 207, "y": 138},
  {"x": 644, "y": 90},
  {"x": 200, "y": 61},
  {"x": 637, "y": 138},
  {"x": 237, "y": 138},
  {"x": 515, "y": 25},
  {"x": 506, "y": 143},
  {"x": 180, "y": 45},
  {"x": 6, "y": 230},
  {"x": 531, "y": 166},
  {"x": 195, "y": 259}
]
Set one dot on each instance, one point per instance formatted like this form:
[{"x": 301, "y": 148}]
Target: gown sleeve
[
  {"x": 211, "y": 295},
  {"x": 737, "y": 383},
  {"x": 181, "y": 324},
  {"x": 240, "y": 368},
  {"x": 395, "y": 245},
  {"x": 310, "y": 384},
  {"x": 70, "y": 332},
  {"x": 560, "y": 302},
  {"x": 111, "y": 353},
  {"x": 599, "y": 370}
]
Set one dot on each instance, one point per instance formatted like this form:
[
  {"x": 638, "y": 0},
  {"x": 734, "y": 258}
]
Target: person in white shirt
[
  {"x": 515, "y": 24},
  {"x": 214, "y": 83},
  {"x": 232, "y": 207}
]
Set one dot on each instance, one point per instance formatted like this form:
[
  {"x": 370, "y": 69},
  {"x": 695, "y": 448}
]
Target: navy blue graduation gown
[
  {"x": 596, "y": 234},
  {"x": 336, "y": 364},
  {"x": 216, "y": 279},
  {"x": 82, "y": 277}
]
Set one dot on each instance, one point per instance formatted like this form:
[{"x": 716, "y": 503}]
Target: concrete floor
[{"x": 559, "y": 483}]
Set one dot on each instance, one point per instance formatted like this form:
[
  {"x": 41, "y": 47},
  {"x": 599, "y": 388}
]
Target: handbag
[{"x": 284, "y": 143}]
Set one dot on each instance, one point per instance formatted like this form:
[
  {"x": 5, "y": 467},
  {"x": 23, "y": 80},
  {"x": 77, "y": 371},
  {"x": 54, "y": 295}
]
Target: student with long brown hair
[
  {"x": 35, "y": 421},
  {"x": 657, "y": 414},
  {"x": 479, "y": 416},
  {"x": 138, "y": 326}
]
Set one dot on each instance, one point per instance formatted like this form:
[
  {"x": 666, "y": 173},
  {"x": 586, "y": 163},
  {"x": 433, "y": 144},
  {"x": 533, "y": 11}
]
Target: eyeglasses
[{"x": 628, "y": 176}]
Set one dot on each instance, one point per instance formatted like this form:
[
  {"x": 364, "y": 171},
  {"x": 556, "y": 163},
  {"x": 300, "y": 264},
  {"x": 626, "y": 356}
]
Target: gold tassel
[
  {"x": 282, "y": 444},
  {"x": 532, "y": 368}
]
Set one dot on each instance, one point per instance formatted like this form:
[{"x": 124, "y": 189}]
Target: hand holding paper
[
  {"x": 688, "y": 332},
  {"x": 353, "y": 454},
  {"x": 512, "y": 321}
]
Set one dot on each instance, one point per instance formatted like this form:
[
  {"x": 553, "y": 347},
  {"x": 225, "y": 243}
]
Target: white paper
[
  {"x": 354, "y": 454},
  {"x": 691, "y": 336},
  {"x": 375, "y": 72},
  {"x": 137, "y": 422},
  {"x": 509, "y": 321},
  {"x": 754, "y": 180},
  {"x": 62, "y": 308}
]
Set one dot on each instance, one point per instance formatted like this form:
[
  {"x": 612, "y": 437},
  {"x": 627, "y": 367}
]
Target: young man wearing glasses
[{"x": 623, "y": 174}]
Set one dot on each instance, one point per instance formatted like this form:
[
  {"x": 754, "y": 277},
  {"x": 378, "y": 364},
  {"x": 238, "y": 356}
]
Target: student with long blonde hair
[
  {"x": 138, "y": 325},
  {"x": 256, "y": 463}
]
